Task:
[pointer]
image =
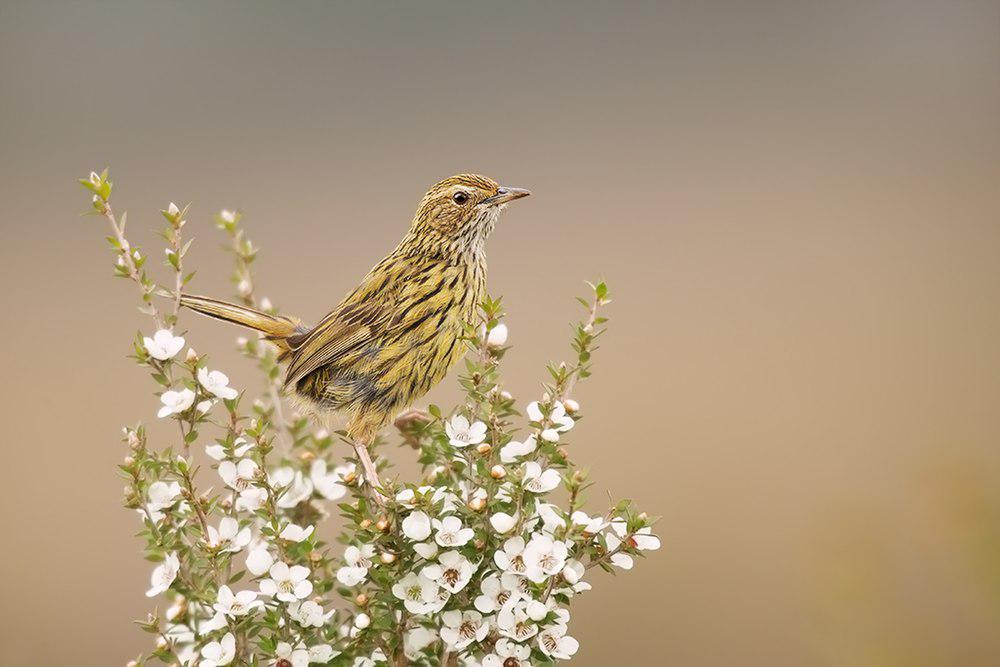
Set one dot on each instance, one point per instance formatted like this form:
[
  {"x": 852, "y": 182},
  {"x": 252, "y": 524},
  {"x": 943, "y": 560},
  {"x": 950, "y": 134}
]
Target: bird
[{"x": 400, "y": 330}]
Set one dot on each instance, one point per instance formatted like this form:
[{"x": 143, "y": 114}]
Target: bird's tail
[{"x": 276, "y": 328}]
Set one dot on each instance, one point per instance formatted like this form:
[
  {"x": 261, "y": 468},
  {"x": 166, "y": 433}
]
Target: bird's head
[{"x": 458, "y": 213}]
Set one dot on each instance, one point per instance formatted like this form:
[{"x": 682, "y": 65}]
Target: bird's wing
[{"x": 377, "y": 306}]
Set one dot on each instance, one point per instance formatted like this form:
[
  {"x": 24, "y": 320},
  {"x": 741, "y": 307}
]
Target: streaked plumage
[{"x": 397, "y": 334}]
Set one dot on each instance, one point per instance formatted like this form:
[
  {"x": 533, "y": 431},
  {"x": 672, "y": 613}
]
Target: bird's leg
[{"x": 369, "y": 471}]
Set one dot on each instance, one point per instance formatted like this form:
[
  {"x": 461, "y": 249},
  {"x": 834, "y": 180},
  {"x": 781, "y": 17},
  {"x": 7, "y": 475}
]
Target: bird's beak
[{"x": 504, "y": 195}]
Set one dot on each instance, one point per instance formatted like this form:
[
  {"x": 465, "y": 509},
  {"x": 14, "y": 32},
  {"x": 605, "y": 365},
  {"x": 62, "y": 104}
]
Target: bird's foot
[{"x": 410, "y": 423}]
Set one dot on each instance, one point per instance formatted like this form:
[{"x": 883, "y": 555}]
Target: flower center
[
  {"x": 511, "y": 662},
  {"x": 451, "y": 576},
  {"x": 414, "y": 593},
  {"x": 502, "y": 597},
  {"x": 550, "y": 642},
  {"x": 468, "y": 630},
  {"x": 285, "y": 586},
  {"x": 517, "y": 564}
]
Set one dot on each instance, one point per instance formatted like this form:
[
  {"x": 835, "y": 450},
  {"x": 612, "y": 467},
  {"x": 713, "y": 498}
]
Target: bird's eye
[{"x": 460, "y": 198}]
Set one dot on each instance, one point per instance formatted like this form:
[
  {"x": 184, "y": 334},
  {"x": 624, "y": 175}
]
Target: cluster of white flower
[{"x": 475, "y": 565}]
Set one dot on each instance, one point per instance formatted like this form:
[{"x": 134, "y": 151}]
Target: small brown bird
[{"x": 397, "y": 334}]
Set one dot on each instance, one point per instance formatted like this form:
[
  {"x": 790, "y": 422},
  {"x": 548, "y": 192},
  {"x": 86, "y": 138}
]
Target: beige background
[{"x": 795, "y": 205}]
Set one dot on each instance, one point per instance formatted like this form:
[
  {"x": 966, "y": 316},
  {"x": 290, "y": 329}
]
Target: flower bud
[
  {"x": 362, "y": 621},
  {"x": 315, "y": 557},
  {"x": 361, "y": 600},
  {"x": 477, "y": 504},
  {"x": 484, "y": 448},
  {"x": 571, "y": 405},
  {"x": 382, "y": 525},
  {"x": 265, "y": 304},
  {"x": 192, "y": 356},
  {"x": 244, "y": 288},
  {"x": 365, "y": 523},
  {"x": 129, "y": 460},
  {"x": 498, "y": 472},
  {"x": 350, "y": 477},
  {"x": 387, "y": 557},
  {"x": 307, "y": 456}
]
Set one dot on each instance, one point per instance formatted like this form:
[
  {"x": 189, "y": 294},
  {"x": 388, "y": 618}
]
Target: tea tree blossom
[
  {"x": 462, "y": 628},
  {"x": 220, "y": 653},
  {"x": 294, "y": 533},
  {"x": 163, "y": 575},
  {"x": 287, "y": 583},
  {"x": 449, "y": 532},
  {"x": 228, "y": 536},
  {"x": 507, "y": 653},
  {"x": 462, "y": 434},
  {"x": 175, "y": 402},
  {"x": 161, "y": 496},
  {"x": 417, "y": 526},
  {"x": 236, "y": 604},
  {"x": 451, "y": 572},
  {"x": 554, "y": 642},
  {"x": 163, "y": 345},
  {"x": 216, "y": 383},
  {"x": 239, "y": 476},
  {"x": 538, "y": 480},
  {"x": 470, "y": 565}
]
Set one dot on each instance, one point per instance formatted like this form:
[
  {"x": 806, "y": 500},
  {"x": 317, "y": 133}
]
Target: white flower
[
  {"x": 417, "y": 526},
  {"x": 163, "y": 575},
  {"x": 220, "y": 652},
  {"x": 551, "y": 517},
  {"x": 514, "y": 449},
  {"x": 503, "y": 522},
  {"x": 216, "y": 382},
  {"x": 451, "y": 533},
  {"x": 418, "y": 593},
  {"x": 643, "y": 539},
  {"x": 296, "y": 533},
  {"x": 417, "y": 640},
  {"x": 163, "y": 345},
  {"x": 240, "y": 475},
  {"x": 495, "y": 595},
  {"x": 329, "y": 485},
  {"x": 298, "y": 657},
  {"x": 591, "y": 525},
  {"x": 426, "y": 550},
  {"x": 173, "y": 210},
  {"x": 497, "y": 336},
  {"x": 307, "y": 614},
  {"x": 544, "y": 557},
  {"x": 295, "y": 486},
  {"x": 229, "y": 536},
  {"x": 287, "y": 583},
  {"x": 511, "y": 558},
  {"x": 251, "y": 500},
  {"x": 218, "y": 452},
  {"x": 508, "y": 654},
  {"x": 452, "y": 571},
  {"x": 556, "y": 644},
  {"x": 175, "y": 402},
  {"x": 377, "y": 657},
  {"x": 460, "y": 628},
  {"x": 322, "y": 653},
  {"x": 462, "y": 434},
  {"x": 557, "y": 417},
  {"x": 513, "y": 621},
  {"x": 537, "y": 480},
  {"x": 259, "y": 560},
  {"x": 161, "y": 496},
  {"x": 238, "y": 604},
  {"x": 358, "y": 562}
]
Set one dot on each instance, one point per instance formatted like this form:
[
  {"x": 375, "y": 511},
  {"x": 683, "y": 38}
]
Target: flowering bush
[{"x": 474, "y": 565}]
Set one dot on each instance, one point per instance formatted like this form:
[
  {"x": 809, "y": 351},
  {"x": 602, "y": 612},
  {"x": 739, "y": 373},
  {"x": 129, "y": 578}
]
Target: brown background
[{"x": 795, "y": 205}]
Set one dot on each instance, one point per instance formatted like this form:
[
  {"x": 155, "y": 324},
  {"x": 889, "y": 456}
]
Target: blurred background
[{"x": 795, "y": 205}]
